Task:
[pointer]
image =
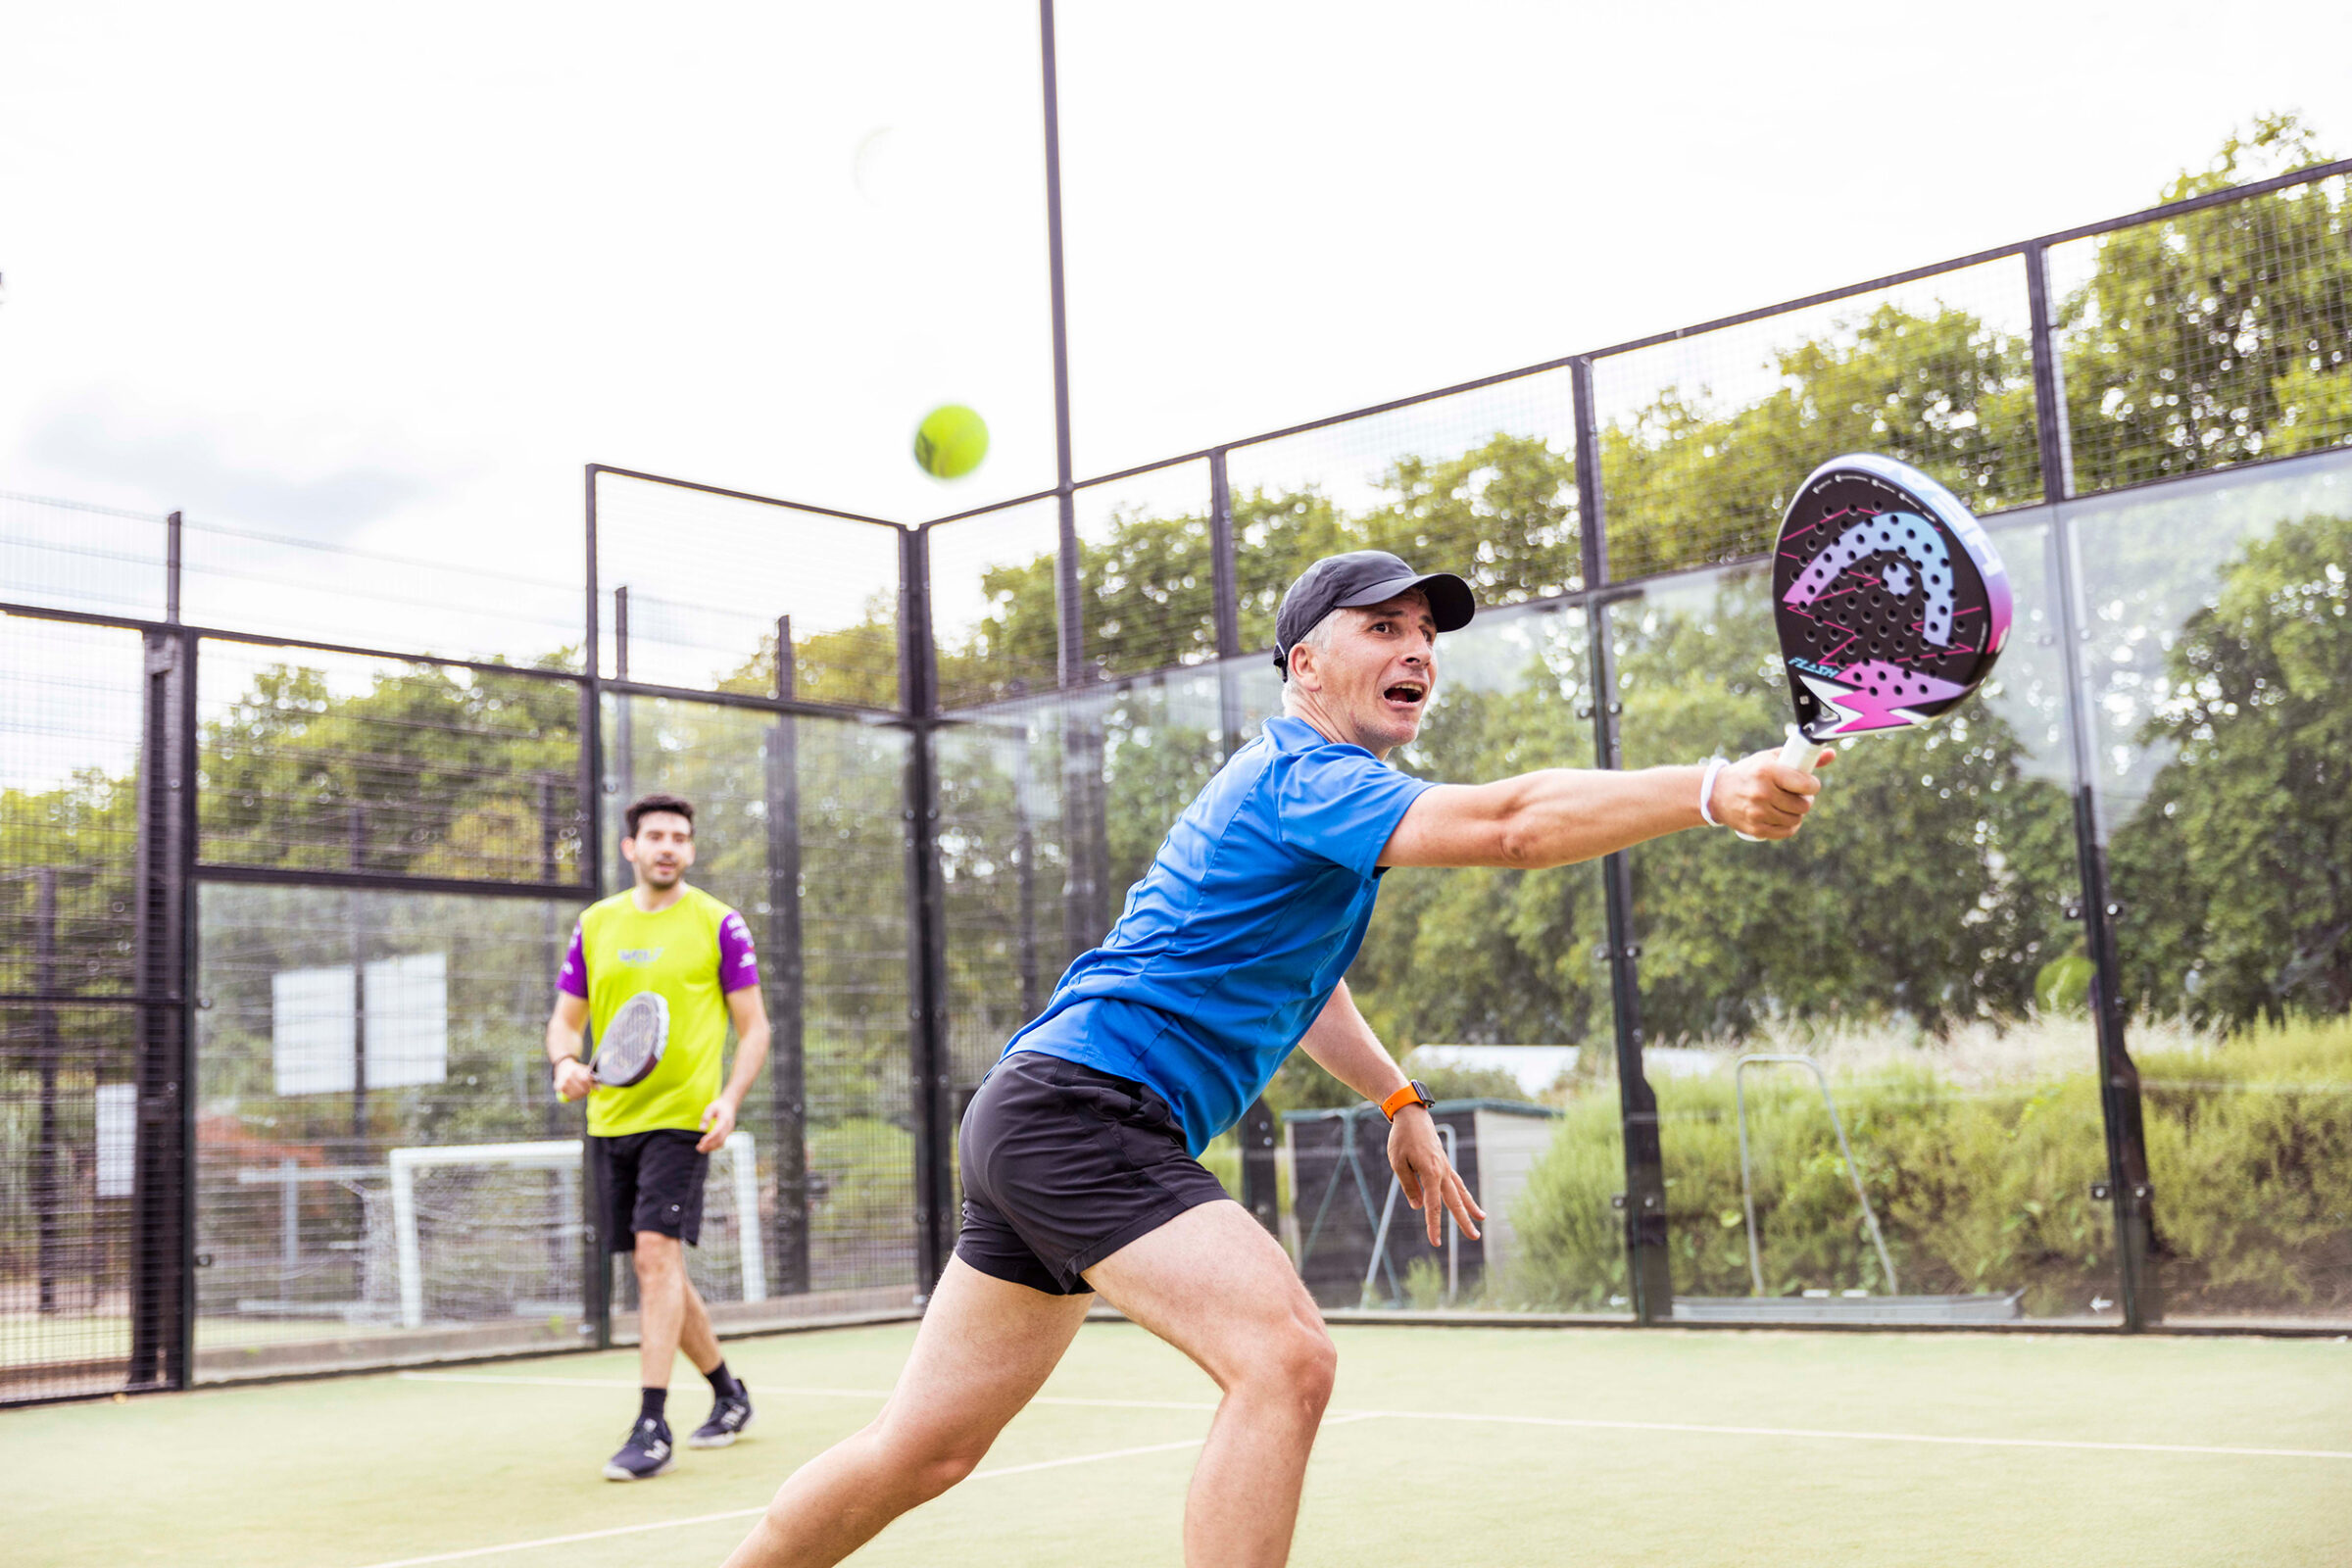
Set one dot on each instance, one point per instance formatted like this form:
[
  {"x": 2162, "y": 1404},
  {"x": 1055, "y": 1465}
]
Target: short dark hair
[{"x": 676, "y": 805}]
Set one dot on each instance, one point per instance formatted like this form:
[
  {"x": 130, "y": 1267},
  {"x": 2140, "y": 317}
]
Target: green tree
[{"x": 2237, "y": 867}]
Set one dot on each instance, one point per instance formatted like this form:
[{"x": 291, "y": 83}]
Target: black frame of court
[{"x": 169, "y": 870}]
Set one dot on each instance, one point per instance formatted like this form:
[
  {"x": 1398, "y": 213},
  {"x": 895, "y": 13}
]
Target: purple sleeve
[
  {"x": 738, "y": 965},
  {"x": 572, "y": 979}
]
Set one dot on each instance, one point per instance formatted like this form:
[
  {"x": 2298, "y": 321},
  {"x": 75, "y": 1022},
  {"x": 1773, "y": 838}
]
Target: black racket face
[
  {"x": 633, "y": 1041},
  {"x": 1891, "y": 602}
]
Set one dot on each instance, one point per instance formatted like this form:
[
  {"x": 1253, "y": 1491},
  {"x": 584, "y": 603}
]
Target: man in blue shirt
[{"x": 1078, "y": 1151}]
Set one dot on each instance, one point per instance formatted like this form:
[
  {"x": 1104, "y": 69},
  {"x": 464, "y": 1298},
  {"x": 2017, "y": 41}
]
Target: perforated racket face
[
  {"x": 1891, "y": 602},
  {"x": 633, "y": 1041}
]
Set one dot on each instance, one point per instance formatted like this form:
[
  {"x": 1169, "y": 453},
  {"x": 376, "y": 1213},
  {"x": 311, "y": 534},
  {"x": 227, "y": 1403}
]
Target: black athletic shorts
[
  {"x": 649, "y": 1182},
  {"x": 1062, "y": 1166}
]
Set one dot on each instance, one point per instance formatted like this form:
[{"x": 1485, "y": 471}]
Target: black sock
[
  {"x": 654, "y": 1402},
  {"x": 722, "y": 1381}
]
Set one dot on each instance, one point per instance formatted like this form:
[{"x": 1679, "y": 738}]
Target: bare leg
[
  {"x": 661, "y": 1305},
  {"x": 985, "y": 1347},
  {"x": 1213, "y": 1284},
  {"x": 696, "y": 1336}
]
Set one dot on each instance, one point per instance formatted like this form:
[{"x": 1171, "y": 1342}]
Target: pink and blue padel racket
[{"x": 1891, "y": 602}]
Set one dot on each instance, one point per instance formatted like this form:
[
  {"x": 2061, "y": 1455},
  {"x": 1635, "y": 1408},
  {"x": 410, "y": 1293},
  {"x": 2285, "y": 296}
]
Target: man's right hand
[
  {"x": 573, "y": 1080},
  {"x": 1765, "y": 798}
]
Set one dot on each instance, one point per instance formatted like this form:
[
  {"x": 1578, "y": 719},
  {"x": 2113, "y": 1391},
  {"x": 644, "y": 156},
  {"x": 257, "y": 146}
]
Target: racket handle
[{"x": 1798, "y": 753}]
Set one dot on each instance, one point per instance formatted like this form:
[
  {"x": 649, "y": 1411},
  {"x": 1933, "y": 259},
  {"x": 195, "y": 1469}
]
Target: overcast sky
[{"x": 390, "y": 276}]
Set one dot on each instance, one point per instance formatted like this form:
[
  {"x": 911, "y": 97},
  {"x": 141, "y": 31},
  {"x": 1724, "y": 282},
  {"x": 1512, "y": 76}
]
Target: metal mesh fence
[
  {"x": 796, "y": 827},
  {"x": 2211, "y": 338},
  {"x": 323, "y": 762},
  {"x": 2084, "y": 933},
  {"x": 70, "y": 556},
  {"x": 249, "y": 580},
  {"x": 695, "y": 588}
]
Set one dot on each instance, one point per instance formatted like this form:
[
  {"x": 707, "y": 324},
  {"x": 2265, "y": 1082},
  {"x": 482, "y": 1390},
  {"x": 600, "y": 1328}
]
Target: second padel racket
[
  {"x": 1891, "y": 602},
  {"x": 631, "y": 1044}
]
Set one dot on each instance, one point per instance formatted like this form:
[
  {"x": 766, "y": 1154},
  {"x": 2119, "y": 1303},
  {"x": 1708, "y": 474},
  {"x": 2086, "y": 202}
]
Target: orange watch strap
[{"x": 1409, "y": 1095}]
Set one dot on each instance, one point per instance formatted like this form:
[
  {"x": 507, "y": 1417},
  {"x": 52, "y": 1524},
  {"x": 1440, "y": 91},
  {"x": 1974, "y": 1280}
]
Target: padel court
[{"x": 1443, "y": 1446}]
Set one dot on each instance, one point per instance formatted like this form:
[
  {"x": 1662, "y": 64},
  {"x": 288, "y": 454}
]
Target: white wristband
[{"x": 1706, "y": 790}]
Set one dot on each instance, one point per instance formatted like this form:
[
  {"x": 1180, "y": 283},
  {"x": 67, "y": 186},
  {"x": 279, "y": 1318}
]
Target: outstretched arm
[
  {"x": 1561, "y": 815},
  {"x": 1343, "y": 1045}
]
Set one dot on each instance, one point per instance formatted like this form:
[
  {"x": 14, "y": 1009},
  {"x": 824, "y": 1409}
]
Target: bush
[{"x": 1978, "y": 1187}]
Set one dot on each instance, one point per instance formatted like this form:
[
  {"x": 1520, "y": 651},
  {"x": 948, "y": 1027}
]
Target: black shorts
[
  {"x": 649, "y": 1182},
  {"x": 1062, "y": 1166}
]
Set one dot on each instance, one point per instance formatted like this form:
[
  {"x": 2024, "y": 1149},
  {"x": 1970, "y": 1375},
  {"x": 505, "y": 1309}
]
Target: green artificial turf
[{"x": 352, "y": 1472}]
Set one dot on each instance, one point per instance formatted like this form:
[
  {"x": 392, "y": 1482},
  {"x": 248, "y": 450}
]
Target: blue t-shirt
[{"x": 1235, "y": 939}]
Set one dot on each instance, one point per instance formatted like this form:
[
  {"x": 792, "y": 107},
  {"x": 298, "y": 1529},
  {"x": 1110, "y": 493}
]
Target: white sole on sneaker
[
  {"x": 694, "y": 1440},
  {"x": 614, "y": 1472}
]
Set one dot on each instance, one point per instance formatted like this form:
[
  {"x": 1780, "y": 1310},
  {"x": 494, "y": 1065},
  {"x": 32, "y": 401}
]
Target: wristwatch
[{"x": 1414, "y": 1093}]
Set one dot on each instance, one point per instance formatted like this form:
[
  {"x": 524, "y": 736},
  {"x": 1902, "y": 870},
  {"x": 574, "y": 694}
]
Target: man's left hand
[
  {"x": 1430, "y": 1182},
  {"x": 718, "y": 1121}
]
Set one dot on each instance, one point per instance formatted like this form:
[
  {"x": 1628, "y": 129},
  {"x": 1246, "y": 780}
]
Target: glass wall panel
[
  {"x": 1903, "y": 976},
  {"x": 2208, "y": 339},
  {"x": 2220, "y": 650},
  {"x": 1705, "y": 438},
  {"x": 1486, "y": 983},
  {"x": 70, "y": 754},
  {"x": 994, "y": 616},
  {"x": 1481, "y": 482},
  {"x": 706, "y": 583},
  {"x": 797, "y": 825},
  {"x": 1146, "y": 578},
  {"x": 325, "y": 761}
]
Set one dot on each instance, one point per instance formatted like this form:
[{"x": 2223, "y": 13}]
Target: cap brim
[{"x": 1450, "y": 601}]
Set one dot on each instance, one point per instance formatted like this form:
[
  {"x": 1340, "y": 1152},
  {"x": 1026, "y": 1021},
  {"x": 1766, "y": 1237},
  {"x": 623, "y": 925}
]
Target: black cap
[{"x": 1357, "y": 578}]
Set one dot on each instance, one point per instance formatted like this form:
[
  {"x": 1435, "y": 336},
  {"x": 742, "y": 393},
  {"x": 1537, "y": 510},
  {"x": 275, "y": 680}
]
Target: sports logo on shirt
[{"x": 640, "y": 956}]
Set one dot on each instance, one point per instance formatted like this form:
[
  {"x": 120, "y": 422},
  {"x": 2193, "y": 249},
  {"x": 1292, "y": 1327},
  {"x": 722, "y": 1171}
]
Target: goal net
[{"x": 489, "y": 1231}]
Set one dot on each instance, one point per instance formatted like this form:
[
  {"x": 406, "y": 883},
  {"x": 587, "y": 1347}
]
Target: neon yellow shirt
[{"x": 695, "y": 953}]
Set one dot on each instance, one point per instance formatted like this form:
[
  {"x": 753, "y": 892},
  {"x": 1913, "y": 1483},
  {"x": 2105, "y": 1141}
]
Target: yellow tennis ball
[{"x": 951, "y": 441}]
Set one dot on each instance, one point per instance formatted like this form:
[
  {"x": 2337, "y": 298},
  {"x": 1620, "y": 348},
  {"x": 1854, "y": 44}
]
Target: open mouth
[{"x": 1406, "y": 693}]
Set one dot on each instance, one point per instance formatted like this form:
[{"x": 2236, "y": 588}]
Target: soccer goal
[{"x": 493, "y": 1230}]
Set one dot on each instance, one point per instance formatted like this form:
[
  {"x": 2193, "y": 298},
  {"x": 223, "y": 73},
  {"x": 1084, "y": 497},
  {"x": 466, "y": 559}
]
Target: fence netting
[{"x": 293, "y": 836}]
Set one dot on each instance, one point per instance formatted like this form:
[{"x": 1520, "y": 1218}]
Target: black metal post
[
  {"x": 355, "y": 923},
  {"x": 1650, "y": 1277},
  {"x": 1024, "y": 788},
  {"x": 1073, "y": 636},
  {"x": 2130, "y": 1195},
  {"x": 46, "y": 1192},
  {"x": 788, "y": 1075},
  {"x": 163, "y": 1292},
  {"x": 1225, "y": 579},
  {"x": 926, "y": 920},
  {"x": 596, "y": 1272},
  {"x": 625, "y": 718},
  {"x": 171, "y": 532}
]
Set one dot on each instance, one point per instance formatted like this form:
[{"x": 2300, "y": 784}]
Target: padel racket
[
  {"x": 1891, "y": 602},
  {"x": 632, "y": 1042}
]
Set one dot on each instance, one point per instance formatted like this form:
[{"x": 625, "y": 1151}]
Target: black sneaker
[
  {"x": 646, "y": 1454},
  {"x": 729, "y": 1415}
]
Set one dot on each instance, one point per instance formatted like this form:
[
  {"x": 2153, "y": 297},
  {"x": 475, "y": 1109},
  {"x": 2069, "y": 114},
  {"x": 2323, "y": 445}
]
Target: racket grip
[{"x": 1798, "y": 753}]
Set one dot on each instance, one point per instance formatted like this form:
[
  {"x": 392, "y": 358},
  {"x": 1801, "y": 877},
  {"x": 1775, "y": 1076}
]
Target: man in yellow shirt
[{"x": 650, "y": 1142}]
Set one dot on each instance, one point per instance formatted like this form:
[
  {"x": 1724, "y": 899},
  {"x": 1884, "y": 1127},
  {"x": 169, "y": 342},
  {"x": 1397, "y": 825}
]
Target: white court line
[
  {"x": 1861, "y": 1437},
  {"x": 746, "y": 1513},
  {"x": 1544, "y": 1421}
]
